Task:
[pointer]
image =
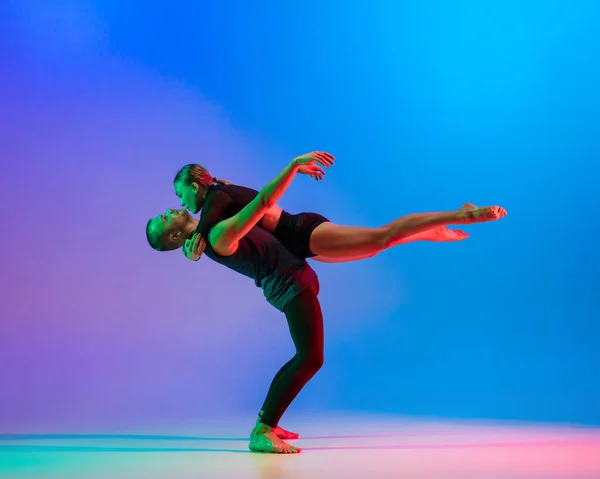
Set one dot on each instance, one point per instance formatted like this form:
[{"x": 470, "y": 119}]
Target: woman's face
[{"x": 190, "y": 196}]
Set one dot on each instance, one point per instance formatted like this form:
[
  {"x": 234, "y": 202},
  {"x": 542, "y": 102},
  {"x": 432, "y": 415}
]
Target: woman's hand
[
  {"x": 194, "y": 247},
  {"x": 309, "y": 163}
]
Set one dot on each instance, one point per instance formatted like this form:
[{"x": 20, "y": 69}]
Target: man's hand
[
  {"x": 194, "y": 247},
  {"x": 308, "y": 164}
]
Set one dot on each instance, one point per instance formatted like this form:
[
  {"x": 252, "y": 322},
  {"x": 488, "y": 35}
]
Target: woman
[{"x": 310, "y": 235}]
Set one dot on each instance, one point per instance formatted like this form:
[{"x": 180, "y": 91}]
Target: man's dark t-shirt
[{"x": 259, "y": 256}]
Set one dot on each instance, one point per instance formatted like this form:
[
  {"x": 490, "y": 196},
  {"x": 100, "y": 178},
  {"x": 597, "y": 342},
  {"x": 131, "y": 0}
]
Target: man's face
[
  {"x": 174, "y": 227},
  {"x": 190, "y": 196}
]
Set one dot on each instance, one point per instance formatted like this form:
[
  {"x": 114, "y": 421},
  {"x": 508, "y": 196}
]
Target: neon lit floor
[{"x": 340, "y": 447}]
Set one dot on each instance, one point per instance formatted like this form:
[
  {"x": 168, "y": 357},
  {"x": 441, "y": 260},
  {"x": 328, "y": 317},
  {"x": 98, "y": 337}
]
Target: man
[{"x": 288, "y": 283}]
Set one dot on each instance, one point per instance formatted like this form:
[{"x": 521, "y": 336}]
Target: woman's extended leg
[
  {"x": 439, "y": 234},
  {"x": 337, "y": 241}
]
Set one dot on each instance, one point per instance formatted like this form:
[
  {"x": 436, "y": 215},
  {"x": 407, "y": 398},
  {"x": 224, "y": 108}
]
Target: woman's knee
[{"x": 384, "y": 238}]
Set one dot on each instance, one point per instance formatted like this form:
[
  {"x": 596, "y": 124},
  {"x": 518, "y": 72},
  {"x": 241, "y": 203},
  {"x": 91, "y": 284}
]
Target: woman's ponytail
[{"x": 221, "y": 182}]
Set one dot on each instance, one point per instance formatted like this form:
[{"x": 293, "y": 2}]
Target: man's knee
[{"x": 312, "y": 362}]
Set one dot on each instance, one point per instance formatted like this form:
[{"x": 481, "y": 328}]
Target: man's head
[{"x": 169, "y": 230}]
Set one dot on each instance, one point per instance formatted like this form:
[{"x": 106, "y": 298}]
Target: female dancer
[{"x": 310, "y": 235}]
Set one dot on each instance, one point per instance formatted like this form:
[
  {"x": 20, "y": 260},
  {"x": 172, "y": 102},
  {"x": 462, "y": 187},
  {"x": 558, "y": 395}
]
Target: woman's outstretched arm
[{"x": 224, "y": 237}]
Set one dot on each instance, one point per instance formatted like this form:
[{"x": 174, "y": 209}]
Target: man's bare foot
[
  {"x": 282, "y": 433},
  {"x": 469, "y": 213},
  {"x": 263, "y": 439}
]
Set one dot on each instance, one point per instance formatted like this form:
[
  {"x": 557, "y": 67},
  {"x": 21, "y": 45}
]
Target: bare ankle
[{"x": 261, "y": 428}]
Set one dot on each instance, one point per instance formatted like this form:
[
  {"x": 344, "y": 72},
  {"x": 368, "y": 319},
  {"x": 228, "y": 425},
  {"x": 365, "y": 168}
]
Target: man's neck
[{"x": 191, "y": 227}]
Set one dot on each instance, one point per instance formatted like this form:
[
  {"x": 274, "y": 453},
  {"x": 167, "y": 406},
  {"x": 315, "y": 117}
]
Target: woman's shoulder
[{"x": 243, "y": 193}]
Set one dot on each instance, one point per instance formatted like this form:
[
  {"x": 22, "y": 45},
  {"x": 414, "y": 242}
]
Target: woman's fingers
[
  {"x": 318, "y": 169},
  {"x": 317, "y": 173},
  {"x": 326, "y": 159}
]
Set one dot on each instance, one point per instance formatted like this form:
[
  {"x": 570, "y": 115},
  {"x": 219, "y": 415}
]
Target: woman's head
[{"x": 191, "y": 184}]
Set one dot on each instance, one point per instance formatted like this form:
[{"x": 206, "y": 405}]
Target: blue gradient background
[{"x": 426, "y": 105}]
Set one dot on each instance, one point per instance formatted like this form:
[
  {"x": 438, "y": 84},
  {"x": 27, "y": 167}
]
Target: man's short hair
[
  {"x": 154, "y": 236},
  {"x": 158, "y": 238}
]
